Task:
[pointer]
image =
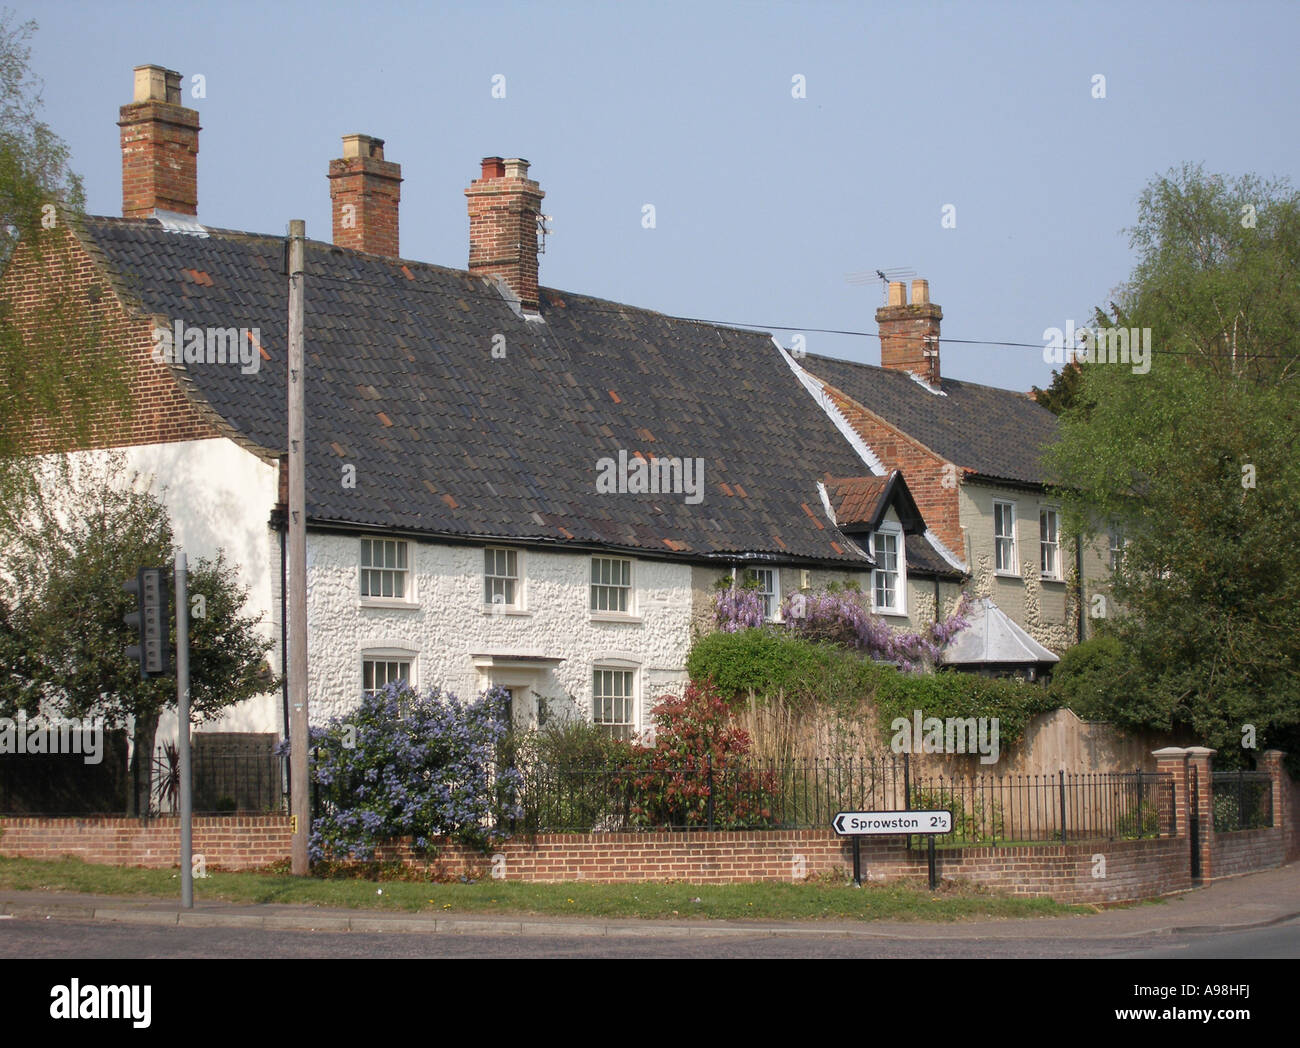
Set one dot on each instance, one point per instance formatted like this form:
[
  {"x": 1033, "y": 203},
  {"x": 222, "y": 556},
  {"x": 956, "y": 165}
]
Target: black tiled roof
[
  {"x": 448, "y": 440},
  {"x": 996, "y": 433}
]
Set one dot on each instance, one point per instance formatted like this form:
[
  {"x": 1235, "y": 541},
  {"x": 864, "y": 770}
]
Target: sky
[{"x": 770, "y": 210}]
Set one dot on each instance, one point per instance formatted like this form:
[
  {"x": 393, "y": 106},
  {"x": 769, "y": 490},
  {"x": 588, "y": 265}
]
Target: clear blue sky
[{"x": 765, "y": 204}]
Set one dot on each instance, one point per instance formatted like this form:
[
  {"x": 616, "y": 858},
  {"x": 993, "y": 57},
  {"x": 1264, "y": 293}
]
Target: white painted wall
[
  {"x": 219, "y": 496},
  {"x": 446, "y": 625}
]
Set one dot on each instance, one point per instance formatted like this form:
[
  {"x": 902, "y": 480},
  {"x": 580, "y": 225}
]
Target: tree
[
  {"x": 63, "y": 606},
  {"x": 55, "y": 362},
  {"x": 1196, "y": 461},
  {"x": 1061, "y": 392}
]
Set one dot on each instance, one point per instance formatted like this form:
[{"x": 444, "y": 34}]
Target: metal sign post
[{"x": 859, "y": 824}]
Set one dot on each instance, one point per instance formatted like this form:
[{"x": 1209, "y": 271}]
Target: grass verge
[{"x": 809, "y": 900}]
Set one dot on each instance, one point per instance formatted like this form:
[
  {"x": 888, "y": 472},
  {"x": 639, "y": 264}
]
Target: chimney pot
[
  {"x": 920, "y": 292},
  {"x": 493, "y": 167},
  {"x": 516, "y": 168},
  {"x": 155, "y": 84},
  {"x": 897, "y": 293},
  {"x": 363, "y": 145}
]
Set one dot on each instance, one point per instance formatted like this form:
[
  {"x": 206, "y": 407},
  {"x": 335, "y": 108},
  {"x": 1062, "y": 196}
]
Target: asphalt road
[{"x": 21, "y": 938}]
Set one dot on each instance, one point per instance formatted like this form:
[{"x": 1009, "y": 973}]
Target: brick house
[{"x": 972, "y": 456}]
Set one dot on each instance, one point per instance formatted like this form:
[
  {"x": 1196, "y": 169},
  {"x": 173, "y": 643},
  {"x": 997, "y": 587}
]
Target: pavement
[{"x": 1255, "y": 900}]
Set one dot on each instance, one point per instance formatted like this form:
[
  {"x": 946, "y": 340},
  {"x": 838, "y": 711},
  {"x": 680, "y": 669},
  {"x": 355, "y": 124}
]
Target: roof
[
  {"x": 994, "y": 639},
  {"x": 449, "y": 438},
  {"x": 995, "y": 433},
  {"x": 860, "y": 503}
]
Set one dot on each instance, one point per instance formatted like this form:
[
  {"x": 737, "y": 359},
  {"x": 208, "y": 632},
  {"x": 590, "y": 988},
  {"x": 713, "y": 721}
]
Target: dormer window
[{"x": 889, "y": 578}]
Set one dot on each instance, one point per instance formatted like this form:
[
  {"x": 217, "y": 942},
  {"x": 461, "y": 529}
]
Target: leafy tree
[
  {"x": 1196, "y": 461},
  {"x": 55, "y": 362},
  {"x": 62, "y": 610},
  {"x": 1062, "y": 390}
]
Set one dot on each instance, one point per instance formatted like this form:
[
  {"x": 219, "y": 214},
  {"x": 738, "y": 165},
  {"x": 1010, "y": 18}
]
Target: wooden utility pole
[
  {"x": 183, "y": 728},
  {"x": 299, "y": 784}
]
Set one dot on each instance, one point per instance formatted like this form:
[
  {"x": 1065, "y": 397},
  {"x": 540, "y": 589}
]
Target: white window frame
[
  {"x": 390, "y": 655},
  {"x": 899, "y": 607},
  {"x": 519, "y": 605},
  {"x": 630, "y": 613},
  {"x": 404, "y": 549},
  {"x": 1115, "y": 542},
  {"x": 998, "y": 539},
  {"x": 772, "y": 598},
  {"x": 624, "y": 729},
  {"x": 1053, "y": 572}
]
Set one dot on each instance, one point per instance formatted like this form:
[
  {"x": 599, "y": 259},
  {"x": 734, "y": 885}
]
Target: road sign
[
  {"x": 151, "y": 620},
  {"x": 883, "y": 823}
]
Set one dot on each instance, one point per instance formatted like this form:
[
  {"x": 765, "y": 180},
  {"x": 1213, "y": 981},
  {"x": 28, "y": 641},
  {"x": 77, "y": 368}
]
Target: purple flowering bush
[
  {"x": 844, "y": 617},
  {"x": 737, "y": 609},
  {"x": 409, "y": 765}
]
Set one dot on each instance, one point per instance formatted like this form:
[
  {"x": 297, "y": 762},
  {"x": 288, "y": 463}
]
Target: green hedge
[{"x": 770, "y": 663}]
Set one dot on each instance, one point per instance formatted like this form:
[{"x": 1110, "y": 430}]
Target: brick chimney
[
  {"x": 504, "y": 206},
  {"x": 909, "y": 334},
  {"x": 160, "y": 147},
  {"x": 364, "y": 193}
]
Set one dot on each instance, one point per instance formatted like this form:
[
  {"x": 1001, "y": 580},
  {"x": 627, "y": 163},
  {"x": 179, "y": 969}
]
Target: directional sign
[{"x": 884, "y": 823}]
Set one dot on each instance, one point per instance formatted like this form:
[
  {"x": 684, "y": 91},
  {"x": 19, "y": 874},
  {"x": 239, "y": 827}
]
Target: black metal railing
[
  {"x": 1243, "y": 800},
  {"x": 244, "y": 781},
  {"x": 803, "y": 794},
  {"x": 701, "y": 794}
]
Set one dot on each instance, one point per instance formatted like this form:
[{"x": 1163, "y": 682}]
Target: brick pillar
[
  {"x": 160, "y": 147},
  {"x": 1271, "y": 762},
  {"x": 909, "y": 334},
  {"x": 1202, "y": 759},
  {"x": 365, "y": 190},
  {"x": 1172, "y": 761}
]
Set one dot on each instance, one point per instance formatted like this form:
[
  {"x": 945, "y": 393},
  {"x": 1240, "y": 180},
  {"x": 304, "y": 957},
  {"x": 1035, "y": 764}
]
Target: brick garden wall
[
  {"x": 230, "y": 842},
  {"x": 1088, "y": 872},
  {"x": 1132, "y": 869},
  {"x": 1099, "y": 872},
  {"x": 1244, "y": 851}
]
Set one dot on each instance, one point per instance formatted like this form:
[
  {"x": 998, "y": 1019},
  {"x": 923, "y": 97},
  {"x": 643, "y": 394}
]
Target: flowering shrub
[
  {"x": 844, "y": 617},
  {"x": 737, "y": 609},
  {"x": 697, "y": 755},
  {"x": 406, "y": 765}
]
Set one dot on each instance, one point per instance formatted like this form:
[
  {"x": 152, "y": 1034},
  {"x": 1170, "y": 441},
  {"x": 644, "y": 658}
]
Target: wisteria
[
  {"x": 844, "y": 617},
  {"x": 737, "y": 609}
]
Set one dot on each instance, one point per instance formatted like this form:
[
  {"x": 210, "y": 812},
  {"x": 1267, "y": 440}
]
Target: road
[{"x": 24, "y": 938}]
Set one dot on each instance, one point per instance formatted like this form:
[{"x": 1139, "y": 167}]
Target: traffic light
[{"x": 150, "y": 619}]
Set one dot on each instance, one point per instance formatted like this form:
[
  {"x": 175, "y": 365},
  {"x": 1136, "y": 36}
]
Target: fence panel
[{"x": 1243, "y": 800}]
